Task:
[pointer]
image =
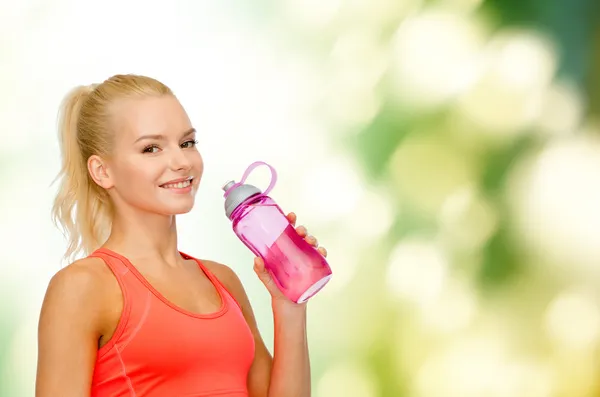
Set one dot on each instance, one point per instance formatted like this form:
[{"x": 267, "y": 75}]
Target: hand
[{"x": 265, "y": 276}]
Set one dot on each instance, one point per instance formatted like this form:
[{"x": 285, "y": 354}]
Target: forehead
[{"x": 151, "y": 115}]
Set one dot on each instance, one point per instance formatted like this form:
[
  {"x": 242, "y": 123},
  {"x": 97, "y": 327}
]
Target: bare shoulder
[
  {"x": 79, "y": 289},
  {"x": 81, "y": 278}
]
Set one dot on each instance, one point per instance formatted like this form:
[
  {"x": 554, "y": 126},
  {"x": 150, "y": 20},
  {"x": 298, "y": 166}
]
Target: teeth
[{"x": 179, "y": 185}]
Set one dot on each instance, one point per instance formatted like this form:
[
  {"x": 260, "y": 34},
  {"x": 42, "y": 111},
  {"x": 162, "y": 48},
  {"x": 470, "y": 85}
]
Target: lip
[{"x": 189, "y": 178}]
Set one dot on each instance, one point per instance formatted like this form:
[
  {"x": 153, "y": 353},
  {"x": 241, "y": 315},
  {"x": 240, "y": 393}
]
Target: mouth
[{"x": 179, "y": 183}]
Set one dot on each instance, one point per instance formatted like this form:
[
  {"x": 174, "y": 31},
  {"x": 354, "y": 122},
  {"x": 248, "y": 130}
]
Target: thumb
[{"x": 265, "y": 276}]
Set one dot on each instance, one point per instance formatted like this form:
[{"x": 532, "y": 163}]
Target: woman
[{"x": 136, "y": 317}]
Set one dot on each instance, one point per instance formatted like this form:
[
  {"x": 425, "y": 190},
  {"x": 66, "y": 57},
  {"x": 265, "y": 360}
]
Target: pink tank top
[{"x": 161, "y": 350}]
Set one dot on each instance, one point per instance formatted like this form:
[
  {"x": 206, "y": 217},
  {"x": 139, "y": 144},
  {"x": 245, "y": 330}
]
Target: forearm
[{"x": 290, "y": 374}]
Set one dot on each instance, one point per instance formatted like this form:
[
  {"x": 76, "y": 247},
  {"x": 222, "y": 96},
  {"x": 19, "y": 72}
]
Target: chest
[
  {"x": 188, "y": 288},
  {"x": 166, "y": 342},
  {"x": 162, "y": 350}
]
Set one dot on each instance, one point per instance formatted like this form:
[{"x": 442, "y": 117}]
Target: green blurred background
[{"x": 447, "y": 153}]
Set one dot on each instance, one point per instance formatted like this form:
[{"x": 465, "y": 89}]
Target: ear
[{"x": 98, "y": 169}]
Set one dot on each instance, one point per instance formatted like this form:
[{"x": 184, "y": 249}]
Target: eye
[
  {"x": 150, "y": 149},
  {"x": 189, "y": 144}
]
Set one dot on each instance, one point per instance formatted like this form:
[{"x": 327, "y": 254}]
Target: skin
[{"x": 83, "y": 302}]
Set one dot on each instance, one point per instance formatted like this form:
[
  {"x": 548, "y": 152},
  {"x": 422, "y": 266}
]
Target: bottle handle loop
[{"x": 247, "y": 173}]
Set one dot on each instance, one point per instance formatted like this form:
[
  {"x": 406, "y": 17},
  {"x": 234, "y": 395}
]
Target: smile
[{"x": 178, "y": 185}]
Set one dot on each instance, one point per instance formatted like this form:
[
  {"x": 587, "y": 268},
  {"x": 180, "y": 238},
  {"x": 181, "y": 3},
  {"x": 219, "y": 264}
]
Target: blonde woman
[{"x": 135, "y": 316}]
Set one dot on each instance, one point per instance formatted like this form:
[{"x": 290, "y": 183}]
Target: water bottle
[{"x": 297, "y": 268}]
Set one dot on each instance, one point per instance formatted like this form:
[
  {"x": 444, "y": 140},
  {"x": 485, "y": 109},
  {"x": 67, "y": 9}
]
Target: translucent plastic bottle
[{"x": 298, "y": 269}]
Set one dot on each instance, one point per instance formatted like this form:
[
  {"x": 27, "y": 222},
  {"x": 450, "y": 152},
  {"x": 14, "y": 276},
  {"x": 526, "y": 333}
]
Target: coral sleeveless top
[{"x": 161, "y": 350}]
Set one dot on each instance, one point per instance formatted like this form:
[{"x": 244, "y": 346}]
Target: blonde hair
[{"x": 81, "y": 207}]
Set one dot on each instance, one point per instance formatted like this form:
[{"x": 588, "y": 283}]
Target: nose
[{"x": 180, "y": 161}]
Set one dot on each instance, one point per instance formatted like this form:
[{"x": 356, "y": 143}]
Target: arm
[
  {"x": 288, "y": 374},
  {"x": 68, "y": 332}
]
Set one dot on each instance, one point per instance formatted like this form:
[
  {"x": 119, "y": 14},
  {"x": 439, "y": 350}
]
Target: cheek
[
  {"x": 135, "y": 174},
  {"x": 197, "y": 161}
]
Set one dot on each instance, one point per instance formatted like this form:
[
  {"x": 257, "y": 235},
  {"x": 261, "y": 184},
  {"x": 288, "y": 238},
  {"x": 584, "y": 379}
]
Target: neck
[{"x": 139, "y": 236}]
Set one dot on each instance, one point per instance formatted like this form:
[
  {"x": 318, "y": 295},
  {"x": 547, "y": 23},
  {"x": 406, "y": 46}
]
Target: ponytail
[{"x": 81, "y": 207}]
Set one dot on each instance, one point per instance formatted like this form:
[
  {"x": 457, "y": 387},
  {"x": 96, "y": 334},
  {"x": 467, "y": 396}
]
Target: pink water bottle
[{"x": 298, "y": 269}]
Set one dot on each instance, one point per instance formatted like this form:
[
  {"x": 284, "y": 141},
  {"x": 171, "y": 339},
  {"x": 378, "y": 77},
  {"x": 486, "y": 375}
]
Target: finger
[
  {"x": 265, "y": 277},
  {"x": 261, "y": 272},
  {"x": 301, "y": 230},
  {"x": 292, "y": 218},
  {"x": 322, "y": 251},
  {"x": 312, "y": 240},
  {"x": 259, "y": 265}
]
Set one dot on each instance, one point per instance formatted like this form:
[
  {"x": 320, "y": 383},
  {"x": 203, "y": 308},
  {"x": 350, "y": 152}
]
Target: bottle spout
[{"x": 228, "y": 186}]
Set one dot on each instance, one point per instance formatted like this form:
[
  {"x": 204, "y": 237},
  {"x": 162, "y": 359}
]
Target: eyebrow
[{"x": 162, "y": 137}]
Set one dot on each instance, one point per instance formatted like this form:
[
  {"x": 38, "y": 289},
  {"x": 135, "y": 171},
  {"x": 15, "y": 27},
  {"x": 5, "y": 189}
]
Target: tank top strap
[
  {"x": 215, "y": 280},
  {"x": 117, "y": 266},
  {"x": 130, "y": 283},
  {"x": 136, "y": 299}
]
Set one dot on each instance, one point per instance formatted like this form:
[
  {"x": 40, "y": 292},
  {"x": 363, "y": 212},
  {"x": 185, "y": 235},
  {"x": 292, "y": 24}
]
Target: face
[{"x": 155, "y": 165}]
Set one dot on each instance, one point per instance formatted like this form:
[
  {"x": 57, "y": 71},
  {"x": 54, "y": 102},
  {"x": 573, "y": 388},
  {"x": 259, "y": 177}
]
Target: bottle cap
[
  {"x": 238, "y": 192},
  {"x": 237, "y": 195}
]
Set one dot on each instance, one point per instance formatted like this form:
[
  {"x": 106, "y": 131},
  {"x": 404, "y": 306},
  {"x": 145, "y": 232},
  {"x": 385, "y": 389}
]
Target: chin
[
  {"x": 176, "y": 205},
  {"x": 178, "y": 208},
  {"x": 172, "y": 211},
  {"x": 182, "y": 211}
]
